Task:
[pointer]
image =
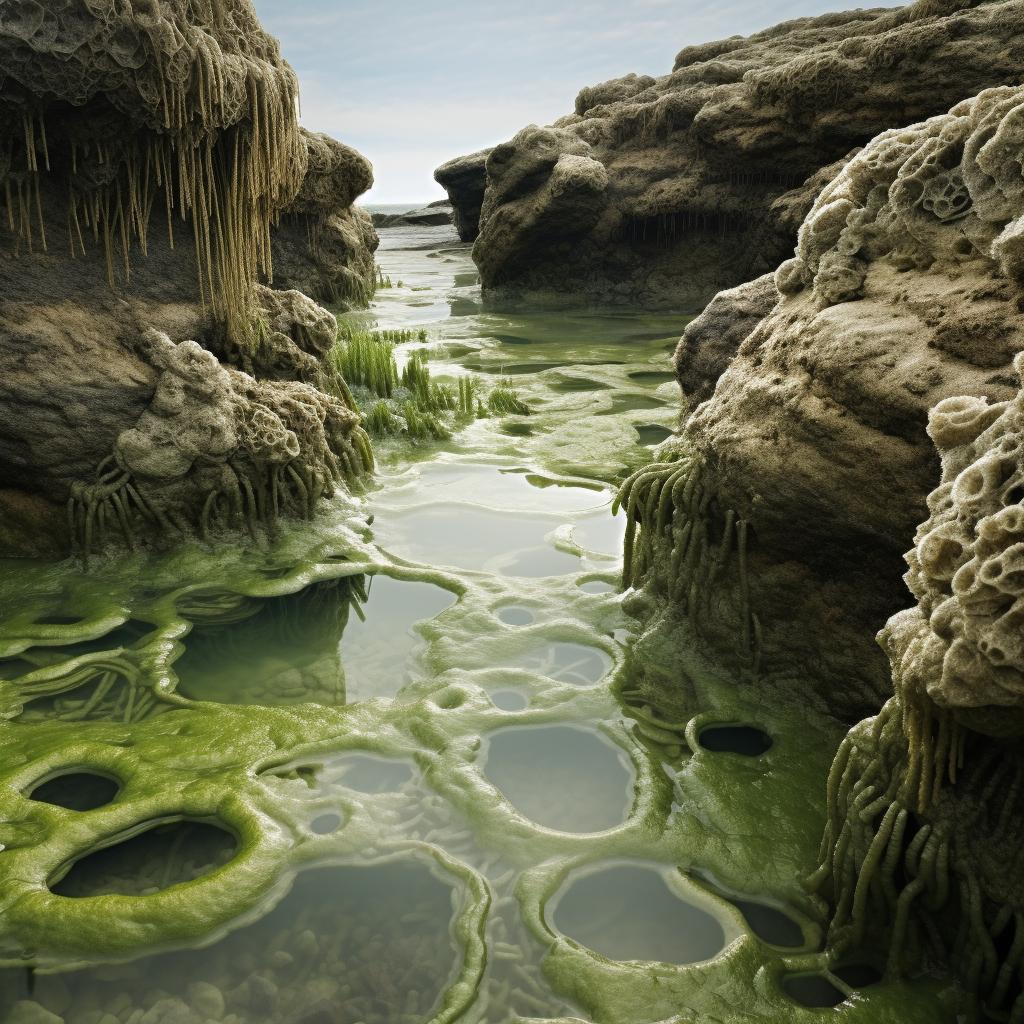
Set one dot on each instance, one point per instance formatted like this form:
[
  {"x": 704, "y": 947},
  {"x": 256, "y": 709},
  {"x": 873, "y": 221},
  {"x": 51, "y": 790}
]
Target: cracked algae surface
[{"x": 377, "y": 870}]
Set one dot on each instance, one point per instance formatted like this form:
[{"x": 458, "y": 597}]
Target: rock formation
[
  {"x": 464, "y": 179},
  {"x": 923, "y": 850},
  {"x": 144, "y": 156},
  {"x": 665, "y": 191},
  {"x": 777, "y": 519},
  {"x": 323, "y": 245}
]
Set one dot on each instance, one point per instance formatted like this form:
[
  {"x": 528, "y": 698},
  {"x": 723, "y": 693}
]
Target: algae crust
[{"x": 273, "y": 752}]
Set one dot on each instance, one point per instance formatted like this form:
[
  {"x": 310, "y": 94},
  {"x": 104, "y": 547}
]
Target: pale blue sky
[{"x": 411, "y": 84}]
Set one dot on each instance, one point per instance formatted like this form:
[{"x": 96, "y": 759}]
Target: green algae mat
[{"x": 408, "y": 763}]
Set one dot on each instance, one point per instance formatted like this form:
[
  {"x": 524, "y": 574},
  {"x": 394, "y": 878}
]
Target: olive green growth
[
  {"x": 503, "y": 400},
  {"x": 411, "y": 403}
]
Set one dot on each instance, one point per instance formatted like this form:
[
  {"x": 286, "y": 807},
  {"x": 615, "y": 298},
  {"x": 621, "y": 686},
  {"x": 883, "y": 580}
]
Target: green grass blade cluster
[{"x": 411, "y": 403}]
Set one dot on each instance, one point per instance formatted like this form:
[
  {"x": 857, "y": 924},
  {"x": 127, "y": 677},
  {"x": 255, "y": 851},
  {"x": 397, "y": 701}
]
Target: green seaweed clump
[{"x": 411, "y": 403}]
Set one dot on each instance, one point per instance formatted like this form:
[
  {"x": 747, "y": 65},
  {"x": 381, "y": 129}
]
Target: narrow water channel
[{"x": 389, "y": 770}]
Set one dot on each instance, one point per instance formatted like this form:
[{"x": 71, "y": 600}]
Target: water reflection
[
  {"x": 375, "y": 650},
  {"x": 471, "y": 538},
  {"x": 568, "y": 663},
  {"x": 562, "y": 777},
  {"x": 367, "y": 773},
  {"x": 276, "y": 652},
  {"x": 308, "y": 646}
]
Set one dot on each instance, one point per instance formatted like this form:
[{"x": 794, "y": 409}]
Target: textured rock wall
[
  {"x": 665, "y": 191},
  {"x": 937, "y": 854},
  {"x": 814, "y": 441}
]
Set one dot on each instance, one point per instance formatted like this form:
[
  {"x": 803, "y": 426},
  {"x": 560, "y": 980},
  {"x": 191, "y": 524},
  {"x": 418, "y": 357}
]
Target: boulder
[
  {"x": 712, "y": 339},
  {"x": 464, "y": 179},
  {"x": 432, "y": 215},
  {"x": 28, "y": 1011},
  {"x": 709, "y": 170},
  {"x": 323, "y": 244}
]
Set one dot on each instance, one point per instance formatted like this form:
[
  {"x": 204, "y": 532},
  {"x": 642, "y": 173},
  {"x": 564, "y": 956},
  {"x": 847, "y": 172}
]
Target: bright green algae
[{"x": 720, "y": 824}]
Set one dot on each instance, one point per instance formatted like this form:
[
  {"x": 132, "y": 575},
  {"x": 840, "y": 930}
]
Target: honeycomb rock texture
[
  {"x": 816, "y": 435},
  {"x": 964, "y": 644},
  {"x": 324, "y": 245},
  {"x": 145, "y": 153},
  {"x": 711, "y": 168},
  {"x": 465, "y": 179}
]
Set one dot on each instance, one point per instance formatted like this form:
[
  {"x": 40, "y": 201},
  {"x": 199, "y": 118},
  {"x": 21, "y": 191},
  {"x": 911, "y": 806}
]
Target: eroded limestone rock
[
  {"x": 942, "y": 760},
  {"x": 465, "y": 179},
  {"x": 812, "y": 455},
  {"x": 710, "y": 169},
  {"x": 145, "y": 157}
]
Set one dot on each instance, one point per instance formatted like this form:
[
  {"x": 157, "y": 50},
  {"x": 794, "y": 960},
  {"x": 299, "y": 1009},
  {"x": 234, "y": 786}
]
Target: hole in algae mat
[
  {"x": 345, "y": 944},
  {"x": 736, "y": 739},
  {"x": 366, "y": 773},
  {"x": 631, "y": 403},
  {"x": 162, "y": 856},
  {"x": 510, "y": 700},
  {"x": 652, "y": 433},
  {"x": 770, "y": 924},
  {"x": 325, "y": 824},
  {"x": 472, "y": 538},
  {"x": 77, "y": 791},
  {"x": 812, "y": 990},
  {"x": 597, "y": 587},
  {"x": 375, "y": 650},
  {"x": 652, "y": 376},
  {"x": 516, "y": 616},
  {"x": 562, "y": 777},
  {"x": 568, "y": 663},
  {"x": 628, "y": 912},
  {"x": 274, "y": 652}
]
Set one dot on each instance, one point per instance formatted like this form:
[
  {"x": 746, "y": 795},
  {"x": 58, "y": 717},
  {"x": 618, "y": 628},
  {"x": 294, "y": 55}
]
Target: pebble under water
[{"x": 394, "y": 767}]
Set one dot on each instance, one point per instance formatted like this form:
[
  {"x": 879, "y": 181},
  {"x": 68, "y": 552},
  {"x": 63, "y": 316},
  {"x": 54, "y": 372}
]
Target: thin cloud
[{"x": 412, "y": 84}]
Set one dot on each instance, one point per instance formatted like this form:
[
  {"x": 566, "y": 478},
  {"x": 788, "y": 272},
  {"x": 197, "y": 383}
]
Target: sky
[{"x": 411, "y": 84}]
